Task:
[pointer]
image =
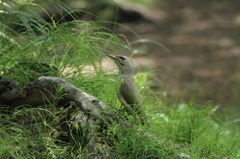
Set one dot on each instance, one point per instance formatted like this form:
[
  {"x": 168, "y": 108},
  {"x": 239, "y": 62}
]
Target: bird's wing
[{"x": 129, "y": 92}]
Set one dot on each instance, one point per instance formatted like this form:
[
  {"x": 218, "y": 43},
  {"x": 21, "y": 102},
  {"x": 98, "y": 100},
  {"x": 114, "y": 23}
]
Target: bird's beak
[{"x": 112, "y": 56}]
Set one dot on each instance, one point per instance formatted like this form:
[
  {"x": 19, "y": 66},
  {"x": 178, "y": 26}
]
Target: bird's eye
[{"x": 121, "y": 58}]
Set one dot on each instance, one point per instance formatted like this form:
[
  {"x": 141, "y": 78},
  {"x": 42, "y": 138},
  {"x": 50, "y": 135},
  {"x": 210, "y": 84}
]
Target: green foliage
[
  {"x": 137, "y": 142},
  {"x": 196, "y": 131},
  {"x": 69, "y": 45}
]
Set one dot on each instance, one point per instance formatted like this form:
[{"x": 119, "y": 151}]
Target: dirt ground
[{"x": 203, "y": 39}]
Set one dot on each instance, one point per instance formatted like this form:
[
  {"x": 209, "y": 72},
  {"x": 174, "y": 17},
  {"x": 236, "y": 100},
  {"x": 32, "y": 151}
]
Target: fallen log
[{"x": 42, "y": 91}]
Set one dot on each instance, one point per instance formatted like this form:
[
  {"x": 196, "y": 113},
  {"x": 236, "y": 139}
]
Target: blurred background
[{"x": 191, "y": 46}]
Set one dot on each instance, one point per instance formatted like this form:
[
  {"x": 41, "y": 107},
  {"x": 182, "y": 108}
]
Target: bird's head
[{"x": 124, "y": 64}]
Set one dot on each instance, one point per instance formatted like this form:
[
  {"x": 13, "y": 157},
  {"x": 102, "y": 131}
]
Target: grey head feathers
[{"x": 124, "y": 64}]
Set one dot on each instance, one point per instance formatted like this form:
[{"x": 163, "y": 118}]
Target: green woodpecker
[{"x": 128, "y": 93}]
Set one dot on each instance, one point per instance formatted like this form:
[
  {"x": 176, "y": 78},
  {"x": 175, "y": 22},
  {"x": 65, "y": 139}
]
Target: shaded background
[{"x": 202, "y": 38}]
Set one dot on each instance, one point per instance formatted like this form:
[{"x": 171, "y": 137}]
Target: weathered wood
[{"x": 43, "y": 90}]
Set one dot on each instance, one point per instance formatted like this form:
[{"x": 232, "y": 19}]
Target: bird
[{"x": 128, "y": 93}]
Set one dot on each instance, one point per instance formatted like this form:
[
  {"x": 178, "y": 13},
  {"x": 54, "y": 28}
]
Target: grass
[{"x": 181, "y": 128}]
